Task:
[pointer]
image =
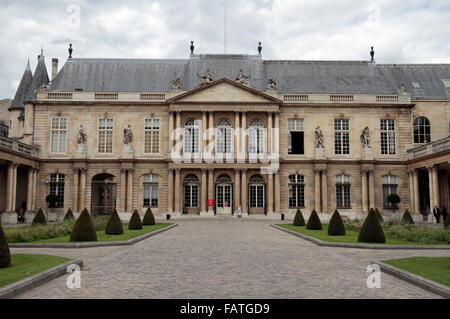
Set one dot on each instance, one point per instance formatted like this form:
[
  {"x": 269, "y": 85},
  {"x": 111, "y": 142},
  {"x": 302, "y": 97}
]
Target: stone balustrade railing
[
  {"x": 429, "y": 148},
  {"x": 7, "y": 143}
]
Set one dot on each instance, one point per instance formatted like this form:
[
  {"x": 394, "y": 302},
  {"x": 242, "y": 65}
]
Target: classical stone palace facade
[{"x": 226, "y": 135}]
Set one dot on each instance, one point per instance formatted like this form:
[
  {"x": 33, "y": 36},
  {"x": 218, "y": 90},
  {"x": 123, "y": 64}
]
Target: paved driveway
[{"x": 227, "y": 258}]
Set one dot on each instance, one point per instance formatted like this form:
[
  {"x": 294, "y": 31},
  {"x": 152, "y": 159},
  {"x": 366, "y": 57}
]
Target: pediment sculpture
[
  {"x": 176, "y": 85},
  {"x": 271, "y": 86},
  {"x": 205, "y": 79},
  {"x": 242, "y": 79}
]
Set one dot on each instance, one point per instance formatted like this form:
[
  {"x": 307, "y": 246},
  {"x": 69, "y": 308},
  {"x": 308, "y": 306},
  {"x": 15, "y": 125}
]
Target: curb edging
[
  {"x": 92, "y": 244},
  {"x": 416, "y": 280},
  {"x": 361, "y": 246},
  {"x": 38, "y": 279}
]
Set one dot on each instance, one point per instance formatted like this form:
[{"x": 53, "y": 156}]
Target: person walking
[
  {"x": 444, "y": 213},
  {"x": 437, "y": 213}
]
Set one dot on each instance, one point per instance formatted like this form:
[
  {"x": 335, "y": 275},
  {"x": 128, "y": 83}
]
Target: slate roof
[
  {"x": 23, "y": 88},
  {"x": 326, "y": 77},
  {"x": 40, "y": 77}
]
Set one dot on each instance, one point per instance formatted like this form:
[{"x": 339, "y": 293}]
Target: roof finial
[
  {"x": 372, "y": 54},
  {"x": 259, "y": 48},
  {"x": 70, "y": 51},
  {"x": 192, "y": 47}
]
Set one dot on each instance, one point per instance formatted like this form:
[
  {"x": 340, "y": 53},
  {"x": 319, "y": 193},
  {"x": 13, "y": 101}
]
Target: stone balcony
[
  {"x": 9, "y": 144},
  {"x": 429, "y": 148}
]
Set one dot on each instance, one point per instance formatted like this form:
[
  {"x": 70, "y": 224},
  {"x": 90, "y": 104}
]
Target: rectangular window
[
  {"x": 387, "y": 129},
  {"x": 105, "y": 135},
  {"x": 151, "y": 142},
  {"x": 150, "y": 194},
  {"x": 295, "y": 136},
  {"x": 296, "y": 195},
  {"x": 57, "y": 188},
  {"x": 224, "y": 140},
  {"x": 341, "y": 136},
  {"x": 58, "y": 135},
  {"x": 256, "y": 140},
  {"x": 343, "y": 196}
]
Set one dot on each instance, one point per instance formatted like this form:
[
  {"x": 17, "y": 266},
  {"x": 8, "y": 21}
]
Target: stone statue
[
  {"x": 365, "y": 137},
  {"x": 205, "y": 79},
  {"x": 319, "y": 137},
  {"x": 272, "y": 85},
  {"x": 401, "y": 90},
  {"x": 242, "y": 79},
  {"x": 82, "y": 137},
  {"x": 127, "y": 135},
  {"x": 176, "y": 85}
]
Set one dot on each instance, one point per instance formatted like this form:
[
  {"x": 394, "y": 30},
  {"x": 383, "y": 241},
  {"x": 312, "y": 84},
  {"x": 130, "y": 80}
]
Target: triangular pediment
[{"x": 224, "y": 90}]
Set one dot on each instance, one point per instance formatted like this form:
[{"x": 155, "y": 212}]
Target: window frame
[
  {"x": 105, "y": 130},
  {"x": 424, "y": 130},
  {"x": 344, "y": 136},
  {"x": 152, "y": 182},
  {"x": 151, "y": 132},
  {"x": 56, "y": 185},
  {"x": 59, "y": 131},
  {"x": 387, "y": 133},
  {"x": 343, "y": 186},
  {"x": 390, "y": 184},
  {"x": 299, "y": 183},
  {"x": 295, "y": 129}
]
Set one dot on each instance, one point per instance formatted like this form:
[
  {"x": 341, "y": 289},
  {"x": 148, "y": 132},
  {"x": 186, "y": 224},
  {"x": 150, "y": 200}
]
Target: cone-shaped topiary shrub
[
  {"x": 135, "y": 221},
  {"x": 299, "y": 220},
  {"x": 69, "y": 215},
  {"x": 39, "y": 218},
  {"x": 314, "y": 221},
  {"x": 447, "y": 222},
  {"x": 371, "y": 230},
  {"x": 84, "y": 229},
  {"x": 5, "y": 255},
  {"x": 149, "y": 219},
  {"x": 114, "y": 224},
  {"x": 407, "y": 218},
  {"x": 379, "y": 216},
  {"x": 336, "y": 226}
]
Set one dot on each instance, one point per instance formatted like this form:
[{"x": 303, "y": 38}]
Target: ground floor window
[
  {"x": 256, "y": 192},
  {"x": 191, "y": 186},
  {"x": 296, "y": 191},
  {"x": 150, "y": 190},
  {"x": 57, "y": 188},
  {"x": 389, "y": 187},
  {"x": 343, "y": 191}
]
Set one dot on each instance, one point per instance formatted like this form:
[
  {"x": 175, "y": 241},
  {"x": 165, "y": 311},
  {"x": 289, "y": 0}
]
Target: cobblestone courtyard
[{"x": 227, "y": 258}]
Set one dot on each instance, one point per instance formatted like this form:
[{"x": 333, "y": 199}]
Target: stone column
[
  {"x": 371, "y": 190},
  {"x": 324, "y": 191},
  {"x": 317, "y": 190},
  {"x": 244, "y": 135},
  {"x": 29, "y": 188},
  {"x": 177, "y": 191},
  {"x": 411, "y": 191},
  {"x": 210, "y": 189},
  {"x": 244, "y": 193},
  {"x": 170, "y": 192},
  {"x": 171, "y": 124},
  {"x": 177, "y": 126},
  {"x": 270, "y": 193},
  {"x": 236, "y": 134},
  {"x": 14, "y": 190},
  {"x": 211, "y": 133},
  {"x": 277, "y": 192},
  {"x": 204, "y": 199},
  {"x": 269, "y": 133},
  {"x": 123, "y": 189},
  {"x": 83, "y": 189},
  {"x": 130, "y": 190},
  {"x": 237, "y": 190},
  {"x": 436, "y": 198},
  {"x": 431, "y": 187},
  {"x": 33, "y": 198},
  {"x": 364, "y": 196},
  {"x": 9, "y": 186},
  {"x": 204, "y": 128},
  {"x": 75, "y": 191},
  {"x": 416, "y": 191},
  {"x": 276, "y": 134}
]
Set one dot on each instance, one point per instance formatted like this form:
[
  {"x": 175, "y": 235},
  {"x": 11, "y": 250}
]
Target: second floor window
[
  {"x": 105, "y": 135},
  {"x": 191, "y": 136},
  {"x": 151, "y": 143},
  {"x": 224, "y": 137},
  {"x": 387, "y": 128},
  {"x": 58, "y": 135},
  {"x": 295, "y": 136},
  {"x": 422, "y": 130},
  {"x": 256, "y": 137},
  {"x": 341, "y": 136}
]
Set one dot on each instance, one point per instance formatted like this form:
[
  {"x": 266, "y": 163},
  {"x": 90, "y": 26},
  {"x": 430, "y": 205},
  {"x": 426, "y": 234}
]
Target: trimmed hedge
[
  {"x": 39, "y": 218},
  {"x": 314, "y": 221},
  {"x": 135, "y": 221},
  {"x": 5, "y": 255},
  {"x": 407, "y": 218},
  {"x": 69, "y": 215},
  {"x": 114, "y": 224},
  {"x": 299, "y": 220},
  {"x": 379, "y": 216},
  {"x": 149, "y": 219},
  {"x": 371, "y": 230},
  {"x": 84, "y": 229},
  {"x": 336, "y": 226}
]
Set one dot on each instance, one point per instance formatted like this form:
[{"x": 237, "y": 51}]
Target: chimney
[{"x": 54, "y": 68}]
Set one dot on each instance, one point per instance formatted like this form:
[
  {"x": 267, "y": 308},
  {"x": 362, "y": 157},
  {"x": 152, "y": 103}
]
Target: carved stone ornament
[
  {"x": 82, "y": 137},
  {"x": 127, "y": 135},
  {"x": 365, "y": 137},
  {"x": 176, "y": 85},
  {"x": 242, "y": 79},
  {"x": 272, "y": 86},
  {"x": 205, "y": 79},
  {"x": 319, "y": 137}
]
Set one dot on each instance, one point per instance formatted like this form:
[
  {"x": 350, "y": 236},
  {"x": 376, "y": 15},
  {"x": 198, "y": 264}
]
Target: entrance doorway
[
  {"x": 191, "y": 192},
  {"x": 103, "y": 194},
  {"x": 256, "y": 195},
  {"x": 224, "y": 199}
]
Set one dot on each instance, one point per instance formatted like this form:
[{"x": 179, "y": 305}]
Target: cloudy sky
[{"x": 413, "y": 31}]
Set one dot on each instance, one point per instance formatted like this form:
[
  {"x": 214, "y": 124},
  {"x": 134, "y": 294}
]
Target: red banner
[{"x": 210, "y": 202}]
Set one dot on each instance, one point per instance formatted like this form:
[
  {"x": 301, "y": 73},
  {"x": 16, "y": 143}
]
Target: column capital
[
  {"x": 210, "y": 169},
  {"x": 123, "y": 170},
  {"x": 204, "y": 169},
  {"x": 178, "y": 112},
  {"x": 244, "y": 170},
  {"x": 237, "y": 170},
  {"x": 430, "y": 167},
  {"x": 171, "y": 112}
]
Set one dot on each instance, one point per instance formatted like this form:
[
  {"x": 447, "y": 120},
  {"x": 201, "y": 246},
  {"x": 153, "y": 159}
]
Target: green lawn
[
  {"x": 23, "y": 266},
  {"x": 101, "y": 236},
  {"x": 433, "y": 268},
  {"x": 350, "y": 236}
]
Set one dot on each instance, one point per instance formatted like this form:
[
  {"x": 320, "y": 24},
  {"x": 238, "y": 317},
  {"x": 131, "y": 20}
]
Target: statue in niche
[
  {"x": 242, "y": 79},
  {"x": 272, "y": 86},
  {"x": 319, "y": 137},
  {"x": 365, "y": 137},
  {"x": 176, "y": 85},
  {"x": 82, "y": 137},
  {"x": 205, "y": 79},
  {"x": 127, "y": 135}
]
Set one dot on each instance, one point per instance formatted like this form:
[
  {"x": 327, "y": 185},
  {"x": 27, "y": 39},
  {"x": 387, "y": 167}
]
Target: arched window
[
  {"x": 191, "y": 136},
  {"x": 296, "y": 191},
  {"x": 57, "y": 188},
  {"x": 150, "y": 190},
  {"x": 343, "y": 191},
  {"x": 256, "y": 137},
  {"x": 224, "y": 137},
  {"x": 191, "y": 191},
  {"x": 390, "y": 186},
  {"x": 256, "y": 191},
  {"x": 422, "y": 130}
]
